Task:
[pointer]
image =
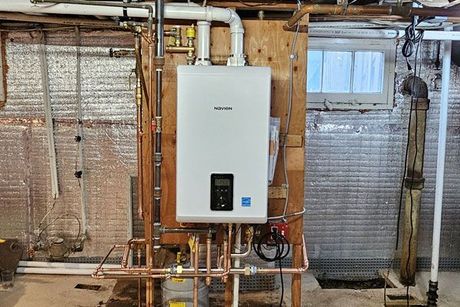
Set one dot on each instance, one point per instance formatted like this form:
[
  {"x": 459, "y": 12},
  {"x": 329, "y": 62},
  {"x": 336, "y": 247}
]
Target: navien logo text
[{"x": 223, "y": 108}]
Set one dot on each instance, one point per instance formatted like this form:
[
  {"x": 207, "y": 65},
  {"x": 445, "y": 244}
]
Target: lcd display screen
[{"x": 222, "y": 182}]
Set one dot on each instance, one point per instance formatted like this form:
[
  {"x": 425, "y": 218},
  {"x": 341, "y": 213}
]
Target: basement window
[{"x": 350, "y": 74}]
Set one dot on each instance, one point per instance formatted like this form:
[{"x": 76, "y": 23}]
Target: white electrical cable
[{"x": 292, "y": 57}]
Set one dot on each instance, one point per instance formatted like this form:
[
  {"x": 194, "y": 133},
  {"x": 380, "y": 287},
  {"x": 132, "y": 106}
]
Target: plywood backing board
[{"x": 266, "y": 44}]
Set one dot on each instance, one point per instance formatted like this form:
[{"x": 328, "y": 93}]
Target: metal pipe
[
  {"x": 140, "y": 179},
  {"x": 228, "y": 258},
  {"x": 440, "y": 167},
  {"x": 148, "y": 222},
  {"x": 139, "y": 280},
  {"x": 179, "y": 49},
  {"x": 196, "y": 267},
  {"x": 158, "y": 156},
  {"x": 201, "y": 272},
  {"x": 330, "y": 9},
  {"x": 208, "y": 258},
  {"x": 187, "y": 230},
  {"x": 236, "y": 264}
]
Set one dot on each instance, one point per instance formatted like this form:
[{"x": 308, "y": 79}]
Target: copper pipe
[
  {"x": 228, "y": 258},
  {"x": 208, "y": 259},
  {"x": 187, "y": 230},
  {"x": 124, "y": 259},
  {"x": 196, "y": 267},
  {"x": 179, "y": 49},
  {"x": 148, "y": 223},
  {"x": 218, "y": 260},
  {"x": 196, "y": 272},
  {"x": 139, "y": 280},
  {"x": 140, "y": 180},
  {"x": 405, "y": 11}
]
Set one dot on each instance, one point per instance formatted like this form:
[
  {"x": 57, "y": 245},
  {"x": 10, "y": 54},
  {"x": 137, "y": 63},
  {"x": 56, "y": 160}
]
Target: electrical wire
[
  {"x": 273, "y": 241},
  {"x": 292, "y": 57},
  {"x": 413, "y": 166},
  {"x": 417, "y": 40},
  {"x": 77, "y": 237}
]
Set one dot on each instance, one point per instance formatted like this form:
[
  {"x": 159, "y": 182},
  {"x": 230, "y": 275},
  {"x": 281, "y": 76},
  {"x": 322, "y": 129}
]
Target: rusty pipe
[
  {"x": 330, "y": 9},
  {"x": 196, "y": 268}
]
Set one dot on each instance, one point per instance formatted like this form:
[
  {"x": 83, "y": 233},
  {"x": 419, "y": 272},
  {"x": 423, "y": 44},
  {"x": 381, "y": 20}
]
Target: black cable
[
  {"x": 413, "y": 164},
  {"x": 282, "y": 283},
  {"x": 412, "y": 39},
  {"x": 417, "y": 41},
  {"x": 270, "y": 241},
  {"x": 407, "y": 296}
]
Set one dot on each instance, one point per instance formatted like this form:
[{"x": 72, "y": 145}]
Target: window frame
[{"x": 356, "y": 101}]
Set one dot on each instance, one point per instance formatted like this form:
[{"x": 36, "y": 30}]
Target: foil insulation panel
[
  {"x": 109, "y": 137},
  {"x": 354, "y": 169},
  {"x": 354, "y": 160}
]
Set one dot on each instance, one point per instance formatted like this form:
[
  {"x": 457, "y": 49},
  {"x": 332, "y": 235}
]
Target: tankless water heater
[{"x": 222, "y": 144}]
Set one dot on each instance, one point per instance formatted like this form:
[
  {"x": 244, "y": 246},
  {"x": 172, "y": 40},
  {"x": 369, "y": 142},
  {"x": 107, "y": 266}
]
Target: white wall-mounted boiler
[{"x": 222, "y": 144}]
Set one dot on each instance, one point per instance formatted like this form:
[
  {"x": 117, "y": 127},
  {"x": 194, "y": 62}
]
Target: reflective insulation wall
[
  {"x": 354, "y": 160},
  {"x": 354, "y": 168},
  {"x": 109, "y": 136}
]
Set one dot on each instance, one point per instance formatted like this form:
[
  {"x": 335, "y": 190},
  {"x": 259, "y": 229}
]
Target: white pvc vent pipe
[
  {"x": 172, "y": 11},
  {"x": 441, "y": 158}
]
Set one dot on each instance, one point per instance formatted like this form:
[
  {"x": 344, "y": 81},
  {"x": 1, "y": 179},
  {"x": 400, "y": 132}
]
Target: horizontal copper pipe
[
  {"x": 126, "y": 273},
  {"x": 404, "y": 11},
  {"x": 179, "y": 49}
]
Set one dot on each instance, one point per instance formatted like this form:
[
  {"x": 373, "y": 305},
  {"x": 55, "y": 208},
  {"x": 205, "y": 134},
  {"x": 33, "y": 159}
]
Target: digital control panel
[{"x": 222, "y": 192}]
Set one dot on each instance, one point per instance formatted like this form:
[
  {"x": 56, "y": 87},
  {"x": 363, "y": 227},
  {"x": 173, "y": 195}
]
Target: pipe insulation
[{"x": 171, "y": 11}]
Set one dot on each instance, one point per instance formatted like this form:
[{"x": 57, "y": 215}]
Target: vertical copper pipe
[
  {"x": 148, "y": 220},
  {"x": 196, "y": 267},
  {"x": 218, "y": 260},
  {"x": 208, "y": 259},
  {"x": 137, "y": 45},
  {"x": 139, "y": 281},
  {"x": 228, "y": 253}
]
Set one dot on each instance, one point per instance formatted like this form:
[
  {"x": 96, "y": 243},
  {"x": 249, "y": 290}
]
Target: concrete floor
[
  {"x": 51, "y": 291},
  {"x": 55, "y": 291}
]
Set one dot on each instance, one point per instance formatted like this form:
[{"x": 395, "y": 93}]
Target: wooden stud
[{"x": 277, "y": 192}]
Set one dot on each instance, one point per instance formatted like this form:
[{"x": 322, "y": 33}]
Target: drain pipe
[
  {"x": 443, "y": 112},
  {"x": 414, "y": 181},
  {"x": 159, "y": 62},
  {"x": 136, "y": 10}
]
